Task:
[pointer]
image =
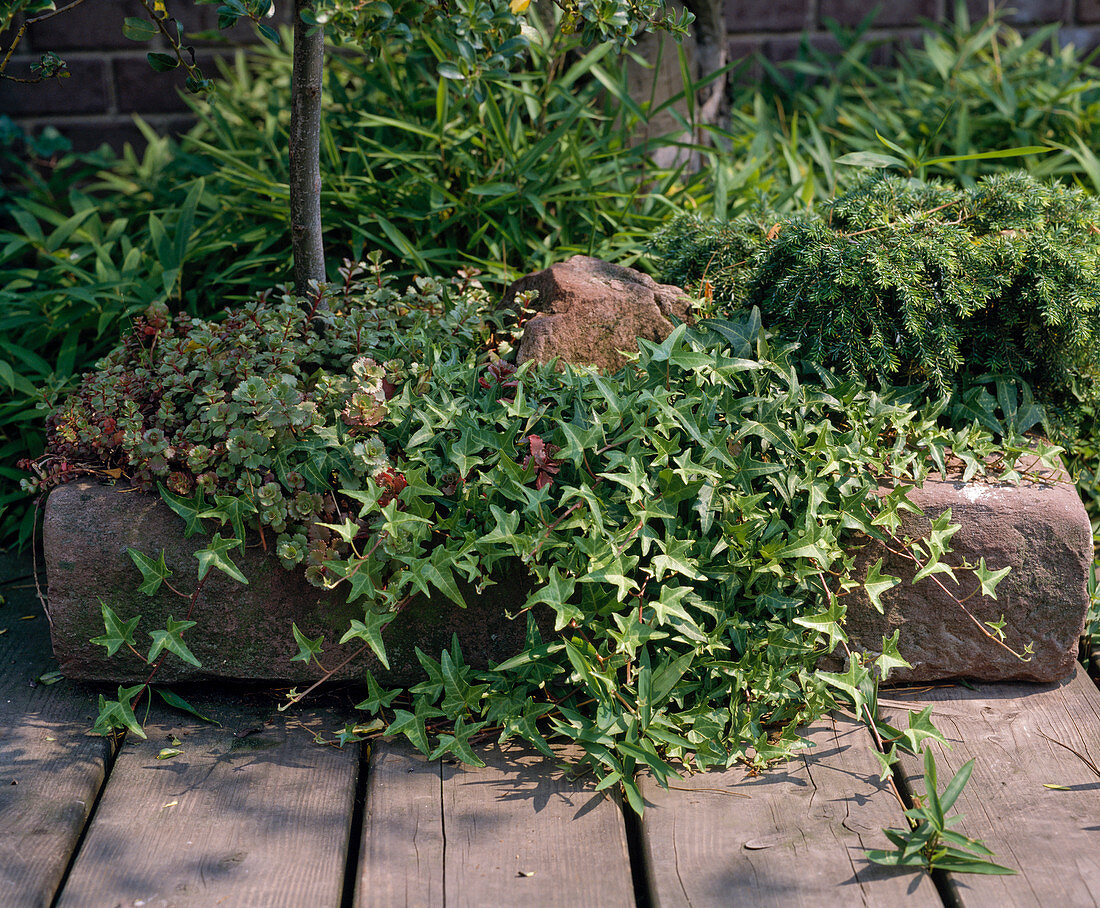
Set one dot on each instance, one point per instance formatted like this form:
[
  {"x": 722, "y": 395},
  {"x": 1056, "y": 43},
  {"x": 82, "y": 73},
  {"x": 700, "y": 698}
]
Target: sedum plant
[{"x": 683, "y": 524}]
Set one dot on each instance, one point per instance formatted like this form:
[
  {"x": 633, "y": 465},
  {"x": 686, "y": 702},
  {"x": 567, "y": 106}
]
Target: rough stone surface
[
  {"x": 591, "y": 310},
  {"x": 243, "y": 632},
  {"x": 1039, "y": 529}
]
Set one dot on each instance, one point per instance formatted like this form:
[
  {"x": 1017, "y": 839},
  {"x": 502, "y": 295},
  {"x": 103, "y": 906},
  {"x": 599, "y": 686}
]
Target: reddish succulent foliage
[{"x": 542, "y": 456}]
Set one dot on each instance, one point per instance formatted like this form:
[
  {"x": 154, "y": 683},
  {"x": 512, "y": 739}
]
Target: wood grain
[
  {"x": 793, "y": 835},
  {"x": 516, "y": 832},
  {"x": 1051, "y": 836},
  {"x": 251, "y": 814},
  {"x": 51, "y": 770},
  {"x": 401, "y": 858},
  {"x": 519, "y": 832}
]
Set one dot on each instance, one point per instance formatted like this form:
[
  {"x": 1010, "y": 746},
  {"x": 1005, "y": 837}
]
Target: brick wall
[{"x": 111, "y": 81}]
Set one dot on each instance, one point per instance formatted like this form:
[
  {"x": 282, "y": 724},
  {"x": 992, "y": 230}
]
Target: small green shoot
[{"x": 929, "y": 843}]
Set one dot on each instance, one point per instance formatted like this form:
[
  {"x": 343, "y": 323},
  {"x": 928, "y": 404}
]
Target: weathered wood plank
[
  {"x": 518, "y": 832},
  {"x": 794, "y": 835},
  {"x": 51, "y": 770},
  {"x": 514, "y": 832},
  {"x": 1051, "y": 836},
  {"x": 401, "y": 858},
  {"x": 251, "y": 814}
]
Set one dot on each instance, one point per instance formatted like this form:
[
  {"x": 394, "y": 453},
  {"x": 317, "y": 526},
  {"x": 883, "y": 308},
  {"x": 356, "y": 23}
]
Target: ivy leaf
[
  {"x": 920, "y": 729},
  {"x": 459, "y": 695},
  {"x": 170, "y": 638},
  {"x": 989, "y": 579},
  {"x": 886, "y": 761},
  {"x": 118, "y": 632},
  {"x": 676, "y": 558},
  {"x": 153, "y": 572},
  {"x": 307, "y": 649},
  {"x": 878, "y": 583},
  {"x": 524, "y": 726},
  {"x": 827, "y": 623},
  {"x": 432, "y": 686},
  {"x": 413, "y": 724},
  {"x": 377, "y": 698},
  {"x": 437, "y": 571},
  {"x": 412, "y": 727},
  {"x": 459, "y": 743},
  {"x": 232, "y": 510},
  {"x": 118, "y": 715},
  {"x": 666, "y": 677},
  {"x": 890, "y": 657},
  {"x": 213, "y": 556},
  {"x": 556, "y": 593},
  {"x": 370, "y": 632},
  {"x": 190, "y": 509},
  {"x": 741, "y": 335},
  {"x": 850, "y": 682},
  {"x": 347, "y": 530}
]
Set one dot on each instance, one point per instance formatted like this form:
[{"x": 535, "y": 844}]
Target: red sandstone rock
[
  {"x": 590, "y": 311},
  {"x": 1039, "y": 529},
  {"x": 243, "y": 632}
]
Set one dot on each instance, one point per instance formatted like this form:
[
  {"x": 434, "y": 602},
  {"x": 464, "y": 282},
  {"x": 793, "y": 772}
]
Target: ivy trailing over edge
[{"x": 686, "y": 520}]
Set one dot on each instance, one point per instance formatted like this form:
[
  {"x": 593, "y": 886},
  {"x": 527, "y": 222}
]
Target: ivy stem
[
  {"x": 325, "y": 677},
  {"x": 160, "y": 659}
]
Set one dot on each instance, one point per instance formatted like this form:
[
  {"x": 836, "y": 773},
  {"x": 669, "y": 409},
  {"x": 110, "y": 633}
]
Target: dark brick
[
  {"x": 1085, "y": 39},
  {"x": 1023, "y": 12},
  {"x": 94, "y": 25},
  {"x": 138, "y": 89},
  {"x": 785, "y": 47},
  {"x": 85, "y": 91},
  {"x": 768, "y": 15},
  {"x": 90, "y": 134},
  {"x": 746, "y": 51},
  {"x": 1088, "y": 10},
  {"x": 853, "y": 12}
]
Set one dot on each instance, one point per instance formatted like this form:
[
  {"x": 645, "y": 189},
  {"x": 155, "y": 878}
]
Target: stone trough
[
  {"x": 1038, "y": 528},
  {"x": 242, "y": 632}
]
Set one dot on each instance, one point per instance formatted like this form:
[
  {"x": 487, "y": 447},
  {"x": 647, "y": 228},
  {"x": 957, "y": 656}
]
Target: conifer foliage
[{"x": 918, "y": 281}]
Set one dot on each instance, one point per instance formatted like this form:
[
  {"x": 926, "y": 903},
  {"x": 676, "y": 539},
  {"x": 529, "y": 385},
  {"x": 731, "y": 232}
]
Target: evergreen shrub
[{"x": 909, "y": 281}]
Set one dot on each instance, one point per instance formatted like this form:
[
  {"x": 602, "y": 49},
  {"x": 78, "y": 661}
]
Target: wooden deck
[{"x": 254, "y": 812}]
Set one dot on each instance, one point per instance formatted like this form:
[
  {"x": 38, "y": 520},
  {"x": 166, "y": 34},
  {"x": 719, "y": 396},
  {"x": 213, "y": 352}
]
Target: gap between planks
[
  {"x": 515, "y": 832},
  {"x": 794, "y": 834},
  {"x": 1019, "y": 735}
]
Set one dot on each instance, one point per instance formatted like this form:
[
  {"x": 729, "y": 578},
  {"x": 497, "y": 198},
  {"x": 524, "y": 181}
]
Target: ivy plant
[{"x": 685, "y": 525}]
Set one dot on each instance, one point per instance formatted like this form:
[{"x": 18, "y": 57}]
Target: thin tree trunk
[
  {"x": 712, "y": 50},
  {"x": 305, "y": 150}
]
